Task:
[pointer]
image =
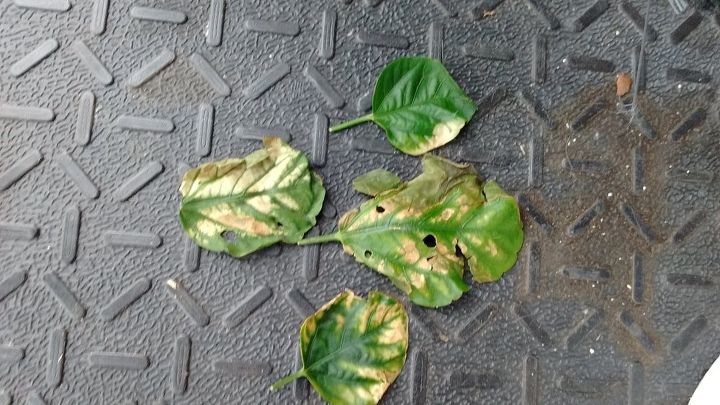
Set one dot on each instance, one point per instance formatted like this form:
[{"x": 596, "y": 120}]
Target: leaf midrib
[
  {"x": 413, "y": 227},
  {"x": 244, "y": 195},
  {"x": 428, "y": 101}
]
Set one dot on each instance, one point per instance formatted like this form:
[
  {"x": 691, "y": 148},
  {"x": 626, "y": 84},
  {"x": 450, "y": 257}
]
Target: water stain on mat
[
  {"x": 163, "y": 85},
  {"x": 592, "y": 233}
]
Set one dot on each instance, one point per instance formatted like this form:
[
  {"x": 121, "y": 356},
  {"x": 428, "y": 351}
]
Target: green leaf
[
  {"x": 418, "y": 104},
  {"x": 353, "y": 349},
  {"x": 375, "y": 182},
  {"x": 241, "y": 205},
  {"x": 414, "y": 234}
]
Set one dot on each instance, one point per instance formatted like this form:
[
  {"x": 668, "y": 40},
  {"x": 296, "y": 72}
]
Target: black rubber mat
[{"x": 104, "y": 103}]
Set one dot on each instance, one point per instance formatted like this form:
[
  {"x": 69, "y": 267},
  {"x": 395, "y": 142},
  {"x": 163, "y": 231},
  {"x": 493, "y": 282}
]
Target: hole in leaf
[
  {"x": 458, "y": 251},
  {"x": 368, "y": 254},
  {"x": 429, "y": 241},
  {"x": 279, "y": 225},
  {"x": 228, "y": 236},
  {"x": 380, "y": 209}
]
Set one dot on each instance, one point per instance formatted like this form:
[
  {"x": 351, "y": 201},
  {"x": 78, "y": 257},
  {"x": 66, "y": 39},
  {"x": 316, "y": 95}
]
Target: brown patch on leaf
[
  {"x": 447, "y": 214},
  {"x": 246, "y": 224},
  {"x": 410, "y": 251},
  {"x": 417, "y": 280}
]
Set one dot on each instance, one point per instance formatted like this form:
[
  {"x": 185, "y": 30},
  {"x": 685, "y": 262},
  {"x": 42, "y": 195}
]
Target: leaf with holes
[
  {"x": 242, "y": 205},
  {"x": 421, "y": 233},
  {"x": 418, "y": 104},
  {"x": 353, "y": 349}
]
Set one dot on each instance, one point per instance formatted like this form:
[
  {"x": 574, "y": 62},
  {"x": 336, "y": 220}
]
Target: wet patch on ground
[{"x": 593, "y": 231}]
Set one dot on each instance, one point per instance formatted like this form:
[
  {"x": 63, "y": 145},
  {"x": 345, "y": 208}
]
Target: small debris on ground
[{"x": 624, "y": 84}]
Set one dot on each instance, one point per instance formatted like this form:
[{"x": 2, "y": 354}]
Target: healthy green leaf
[
  {"x": 418, "y": 104},
  {"x": 375, "y": 182},
  {"x": 418, "y": 233},
  {"x": 353, "y": 349},
  {"x": 242, "y": 205}
]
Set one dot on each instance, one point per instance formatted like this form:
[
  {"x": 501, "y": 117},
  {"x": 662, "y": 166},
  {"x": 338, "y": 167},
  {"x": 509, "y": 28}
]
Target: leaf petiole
[
  {"x": 351, "y": 123},
  {"x": 287, "y": 380},
  {"x": 331, "y": 237}
]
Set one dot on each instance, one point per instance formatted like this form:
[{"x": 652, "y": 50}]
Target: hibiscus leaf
[
  {"x": 421, "y": 233},
  {"x": 353, "y": 349},
  {"x": 241, "y": 205},
  {"x": 418, "y": 104}
]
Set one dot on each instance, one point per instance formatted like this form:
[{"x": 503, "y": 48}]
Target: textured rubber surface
[{"x": 104, "y": 103}]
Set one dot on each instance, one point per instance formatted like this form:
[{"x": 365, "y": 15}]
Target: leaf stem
[
  {"x": 351, "y": 123},
  {"x": 287, "y": 380},
  {"x": 331, "y": 237}
]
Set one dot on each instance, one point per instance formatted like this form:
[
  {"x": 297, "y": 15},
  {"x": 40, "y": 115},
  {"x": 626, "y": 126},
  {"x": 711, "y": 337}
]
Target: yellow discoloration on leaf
[
  {"x": 366, "y": 372},
  {"x": 270, "y": 180},
  {"x": 444, "y": 250},
  {"x": 244, "y": 196},
  {"x": 353, "y": 349},
  {"x": 287, "y": 179},
  {"x": 339, "y": 322},
  {"x": 288, "y": 201},
  {"x": 393, "y": 334},
  {"x": 378, "y": 314},
  {"x": 206, "y": 228},
  {"x": 242, "y": 183},
  {"x": 445, "y": 204},
  {"x": 409, "y": 251},
  {"x": 245, "y": 224},
  {"x": 417, "y": 280},
  {"x": 408, "y": 212},
  {"x": 439, "y": 265},
  {"x": 347, "y": 217},
  {"x": 464, "y": 249},
  {"x": 373, "y": 391},
  {"x": 445, "y": 132},
  {"x": 432, "y": 116},
  {"x": 471, "y": 239},
  {"x": 442, "y": 133},
  {"x": 373, "y": 216},
  {"x": 396, "y": 275},
  {"x": 424, "y": 264},
  {"x": 492, "y": 248},
  {"x": 193, "y": 178},
  {"x": 309, "y": 326},
  {"x": 207, "y": 171},
  {"x": 262, "y": 203}
]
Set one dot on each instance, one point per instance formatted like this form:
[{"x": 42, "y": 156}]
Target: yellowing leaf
[
  {"x": 418, "y": 104},
  {"x": 375, "y": 182},
  {"x": 241, "y": 205},
  {"x": 353, "y": 349},
  {"x": 420, "y": 233}
]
